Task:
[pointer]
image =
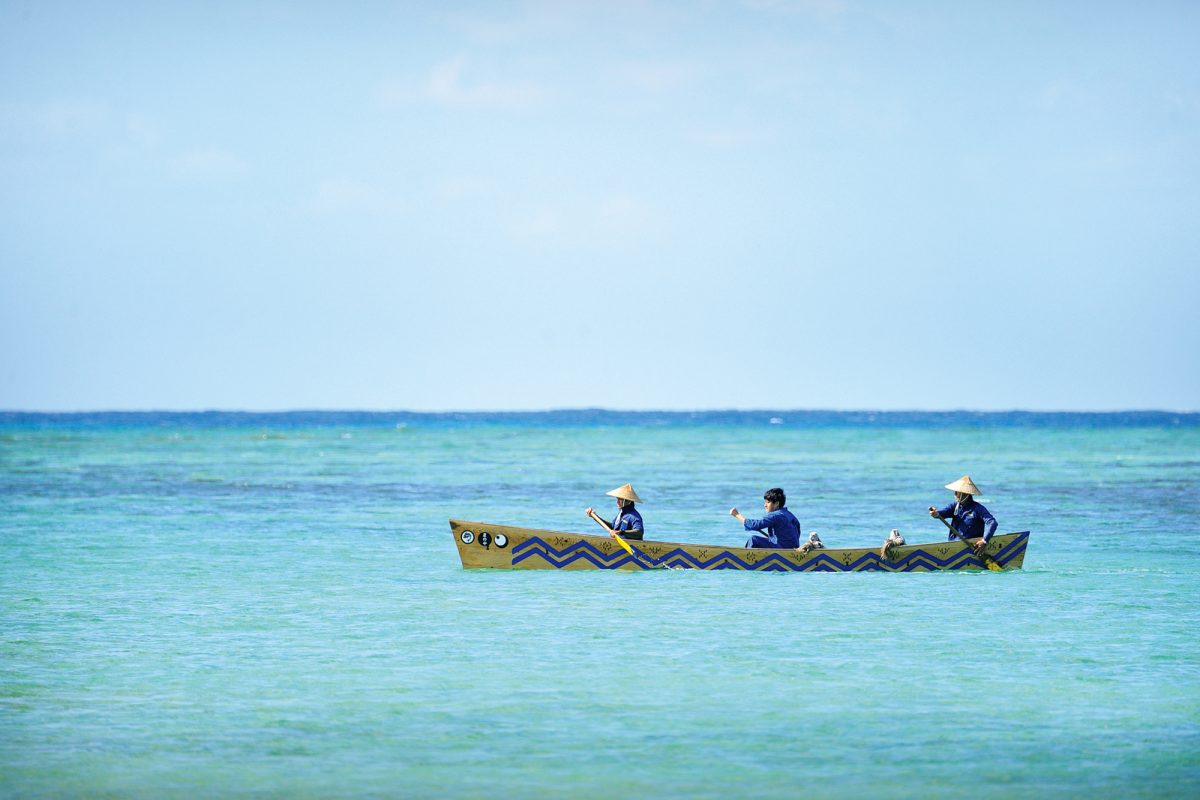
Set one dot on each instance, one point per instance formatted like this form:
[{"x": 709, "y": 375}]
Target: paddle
[
  {"x": 636, "y": 556},
  {"x": 987, "y": 560}
]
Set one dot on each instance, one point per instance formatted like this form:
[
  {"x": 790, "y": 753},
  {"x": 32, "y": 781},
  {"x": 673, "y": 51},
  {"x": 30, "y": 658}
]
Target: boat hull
[{"x": 483, "y": 545}]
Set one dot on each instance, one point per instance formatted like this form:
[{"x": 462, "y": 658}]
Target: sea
[{"x": 271, "y": 605}]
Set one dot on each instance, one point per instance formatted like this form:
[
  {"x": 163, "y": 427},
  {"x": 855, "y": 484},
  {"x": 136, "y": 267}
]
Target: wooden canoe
[{"x": 483, "y": 545}]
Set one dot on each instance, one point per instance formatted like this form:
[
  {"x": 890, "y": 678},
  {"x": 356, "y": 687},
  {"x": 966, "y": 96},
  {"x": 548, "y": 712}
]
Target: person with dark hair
[{"x": 778, "y": 529}]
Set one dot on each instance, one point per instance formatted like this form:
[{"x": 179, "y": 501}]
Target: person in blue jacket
[
  {"x": 967, "y": 516},
  {"x": 628, "y": 521},
  {"x": 778, "y": 529}
]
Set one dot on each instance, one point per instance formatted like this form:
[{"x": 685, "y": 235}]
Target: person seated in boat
[
  {"x": 628, "y": 521},
  {"x": 966, "y": 515},
  {"x": 778, "y": 529}
]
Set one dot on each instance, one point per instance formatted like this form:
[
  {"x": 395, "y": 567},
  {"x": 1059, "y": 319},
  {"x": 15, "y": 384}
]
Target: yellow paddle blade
[
  {"x": 641, "y": 561},
  {"x": 988, "y": 561},
  {"x": 624, "y": 544}
]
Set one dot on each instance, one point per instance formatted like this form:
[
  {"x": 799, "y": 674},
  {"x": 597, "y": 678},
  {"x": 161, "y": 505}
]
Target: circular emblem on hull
[
  {"x": 500, "y": 540},
  {"x": 466, "y": 537}
]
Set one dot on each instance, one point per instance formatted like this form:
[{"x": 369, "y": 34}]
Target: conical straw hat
[
  {"x": 964, "y": 484},
  {"x": 625, "y": 492}
]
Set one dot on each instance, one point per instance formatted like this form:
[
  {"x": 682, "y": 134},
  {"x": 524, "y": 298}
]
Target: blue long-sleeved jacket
[
  {"x": 628, "y": 520},
  {"x": 970, "y": 519},
  {"x": 781, "y": 527}
]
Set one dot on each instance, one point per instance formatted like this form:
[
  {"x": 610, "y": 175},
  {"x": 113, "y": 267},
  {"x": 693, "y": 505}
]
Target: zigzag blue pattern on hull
[
  {"x": 772, "y": 562},
  {"x": 1013, "y": 549},
  {"x": 569, "y": 555}
]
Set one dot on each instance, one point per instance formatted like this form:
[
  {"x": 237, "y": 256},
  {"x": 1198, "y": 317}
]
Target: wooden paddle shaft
[
  {"x": 601, "y": 522},
  {"x": 986, "y": 559},
  {"x": 952, "y": 529}
]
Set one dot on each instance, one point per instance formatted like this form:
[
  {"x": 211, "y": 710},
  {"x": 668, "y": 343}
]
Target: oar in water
[
  {"x": 636, "y": 556},
  {"x": 987, "y": 560}
]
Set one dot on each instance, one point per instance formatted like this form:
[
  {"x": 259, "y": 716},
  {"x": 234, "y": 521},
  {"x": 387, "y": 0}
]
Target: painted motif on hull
[{"x": 918, "y": 559}]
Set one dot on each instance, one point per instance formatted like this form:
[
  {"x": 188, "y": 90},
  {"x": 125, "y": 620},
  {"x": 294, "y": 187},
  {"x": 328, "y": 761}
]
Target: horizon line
[{"x": 601, "y": 409}]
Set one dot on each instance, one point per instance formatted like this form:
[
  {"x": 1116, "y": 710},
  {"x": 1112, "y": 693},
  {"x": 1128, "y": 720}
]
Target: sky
[{"x": 766, "y": 204}]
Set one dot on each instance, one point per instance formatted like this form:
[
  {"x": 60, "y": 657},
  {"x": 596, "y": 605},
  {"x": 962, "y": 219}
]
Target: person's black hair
[{"x": 775, "y": 496}]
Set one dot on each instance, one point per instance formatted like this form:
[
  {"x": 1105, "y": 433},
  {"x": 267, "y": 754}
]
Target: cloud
[
  {"x": 734, "y": 137},
  {"x": 463, "y": 187},
  {"x": 210, "y": 163},
  {"x": 450, "y": 84},
  {"x": 143, "y": 129},
  {"x": 621, "y": 215},
  {"x": 1060, "y": 94},
  {"x": 60, "y": 119},
  {"x": 87, "y": 122},
  {"x": 76, "y": 117},
  {"x": 655, "y": 76},
  {"x": 612, "y": 218},
  {"x": 538, "y": 224},
  {"x": 819, "y": 7},
  {"x": 447, "y": 86},
  {"x": 350, "y": 196},
  {"x": 544, "y": 22},
  {"x": 336, "y": 195}
]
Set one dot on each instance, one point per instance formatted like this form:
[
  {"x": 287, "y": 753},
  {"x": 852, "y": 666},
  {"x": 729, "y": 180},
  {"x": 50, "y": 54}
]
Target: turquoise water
[{"x": 271, "y": 605}]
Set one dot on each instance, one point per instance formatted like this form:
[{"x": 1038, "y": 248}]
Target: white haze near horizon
[{"x": 631, "y": 205}]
